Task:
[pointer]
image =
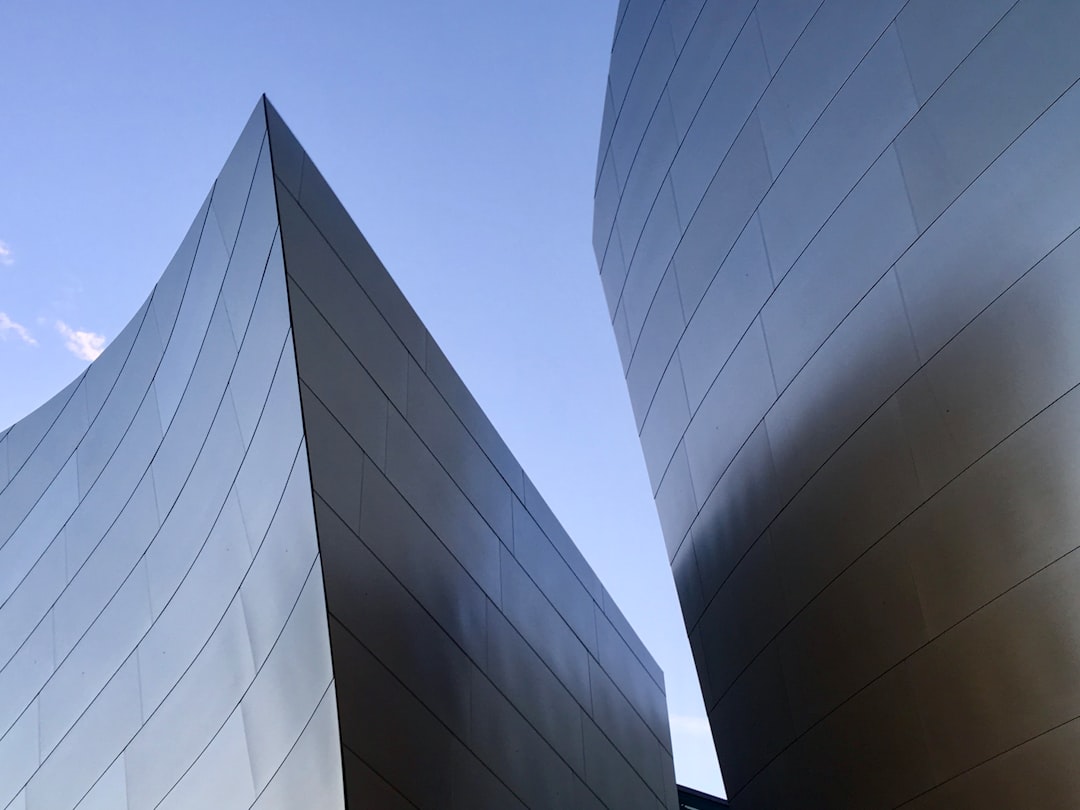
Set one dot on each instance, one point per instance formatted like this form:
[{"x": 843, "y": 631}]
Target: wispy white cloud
[
  {"x": 690, "y": 724},
  {"x": 84, "y": 345},
  {"x": 6, "y": 256},
  {"x": 9, "y": 327}
]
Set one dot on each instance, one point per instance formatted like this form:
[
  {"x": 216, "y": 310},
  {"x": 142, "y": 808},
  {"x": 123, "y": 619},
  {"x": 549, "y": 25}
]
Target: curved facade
[
  {"x": 267, "y": 552},
  {"x": 838, "y": 243}
]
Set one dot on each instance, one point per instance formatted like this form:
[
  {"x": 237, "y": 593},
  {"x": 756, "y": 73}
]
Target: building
[
  {"x": 839, "y": 245},
  {"x": 268, "y": 552}
]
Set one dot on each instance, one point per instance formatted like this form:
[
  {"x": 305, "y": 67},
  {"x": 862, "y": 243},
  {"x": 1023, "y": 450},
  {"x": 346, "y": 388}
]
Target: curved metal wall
[
  {"x": 159, "y": 570},
  {"x": 838, "y": 242},
  {"x": 276, "y": 421}
]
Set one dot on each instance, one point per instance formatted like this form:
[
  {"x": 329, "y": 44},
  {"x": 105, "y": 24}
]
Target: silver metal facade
[
  {"x": 839, "y": 245},
  {"x": 267, "y": 552}
]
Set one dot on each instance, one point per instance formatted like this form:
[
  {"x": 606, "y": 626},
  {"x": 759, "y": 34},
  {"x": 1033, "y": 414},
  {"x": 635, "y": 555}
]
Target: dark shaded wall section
[
  {"x": 479, "y": 661},
  {"x": 838, "y": 244}
]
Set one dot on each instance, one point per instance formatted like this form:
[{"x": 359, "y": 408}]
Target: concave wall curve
[
  {"x": 267, "y": 552},
  {"x": 838, "y": 244}
]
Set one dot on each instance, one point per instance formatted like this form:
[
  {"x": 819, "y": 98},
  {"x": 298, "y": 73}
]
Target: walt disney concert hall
[
  {"x": 839, "y": 245},
  {"x": 267, "y": 552}
]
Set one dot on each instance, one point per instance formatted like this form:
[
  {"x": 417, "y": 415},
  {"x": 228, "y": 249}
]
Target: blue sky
[{"x": 461, "y": 137}]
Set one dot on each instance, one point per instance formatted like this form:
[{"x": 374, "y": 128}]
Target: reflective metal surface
[
  {"x": 838, "y": 243},
  {"x": 268, "y": 552}
]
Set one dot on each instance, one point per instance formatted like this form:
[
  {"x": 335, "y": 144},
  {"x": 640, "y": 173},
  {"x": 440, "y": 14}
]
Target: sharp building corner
[{"x": 268, "y": 552}]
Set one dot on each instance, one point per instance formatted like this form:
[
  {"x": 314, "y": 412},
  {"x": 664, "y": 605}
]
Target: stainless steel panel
[
  {"x": 683, "y": 14},
  {"x": 32, "y": 537},
  {"x": 287, "y": 154},
  {"x": 610, "y": 776},
  {"x": 1014, "y": 359},
  {"x": 457, "y": 451},
  {"x": 546, "y": 631},
  {"x": 524, "y": 678},
  {"x": 968, "y": 544},
  {"x": 109, "y": 792},
  {"x": 31, "y": 602},
  {"x": 289, "y": 686},
  {"x": 866, "y": 621},
  {"x": 365, "y": 787},
  {"x": 861, "y": 364},
  {"x": 1028, "y": 58},
  {"x": 262, "y": 344},
  {"x": 715, "y": 102},
  {"x": 1040, "y": 771},
  {"x": 991, "y": 660},
  {"x": 631, "y": 35},
  {"x": 617, "y": 720},
  {"x": 718, "y": 221},
  {"x": 187, "y": 525},
  {"x": 707, "y": 57},
  {"x": 113, "y": 491},
  {"x": 676, "y": 502},
  {"x": 782, "y": 22},
  {"x": 311, "y": 776},
  {"x": 659, "y": 237},
  {"x": 473, "y": 784},
  {"x": 332, "y": 374},
  {"x": 858, "y": 495},
  {"x": 827, "y": 51},
  {"x": 18, "y": 755},
  {"x": 169, "y": 291},
  {"x": 220, "y": 777},
  {"x": 281, "y": 564},
  {"x": 757, "y": 705},
  {"x": 684, "y": 569},
  {"x": 174, "y": 735},
  {"x": 384, "y": 725},
  {"x": 23, "y": 675},
  {"x": 540, "y": 559},
  {"x": 730, "y": 411},
  {"x": 631, "y": 640},
  {"x": 834, "y": 277},
  {"x": 722, "y": 308},
  {"x": 378, "y": 609},
  {"x": 632, "y": 678},
  {"x": 1015, "y": 213},
  {"x": 667, "y": 420},
  {"x": 272, "y": 449},
  {"x": 937, "y": 37},
  {"x": 736, "y": 512},
  {"x": 234, "y": 182},
  {"x": 858, "y": 125},
  {"x": 655, "y": 63},
  {"x": 337, "y": 462},
  {"x": 545, "y": 518},
  {"x": 326, "y": 284},
  {"x": 613, "y": 269},
  {"x": 324, "y": 208},
  {"x": 257, "y": 232},
  {"x": 660, "y": 333},
  {"x": 465, "y": 406},
  {"x": 440, "y": 502},
  {"x": 83, "y": 672},
  {"x": 414, "y": 555},
  {"x": 88, "y": 750},
  {"x": 185, "y": 340},
  {"x": 743, "y": 617},
  {"x": 188, "y": 619},
  {"x": 530, "y": 767}
]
